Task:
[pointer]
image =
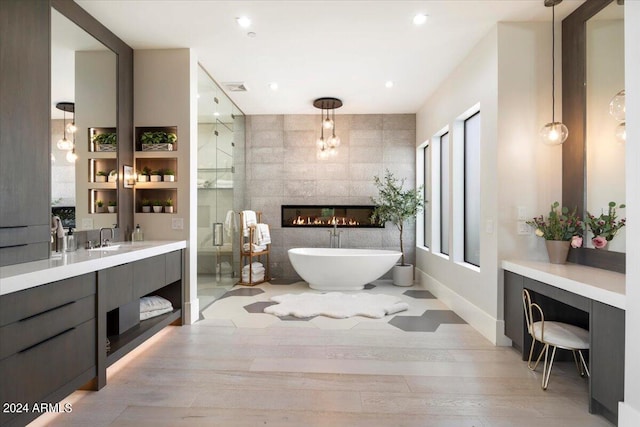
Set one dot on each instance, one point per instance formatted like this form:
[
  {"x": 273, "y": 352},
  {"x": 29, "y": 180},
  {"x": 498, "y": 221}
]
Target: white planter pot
[
  {"x": 168, "y": 178},
  {"x": 143, "y": 178},
  {"x": 111, "y": 209},
  {"x": 156, "y": 178},
  {"x": 157, "y": 209},
  {"x": 101, "y": 178},
  {"x": 403, "y": 275},
  {"x": 168, "y": 209},
  {"x": 146, "y": 209},
  {"x": 100, "y": 209}
]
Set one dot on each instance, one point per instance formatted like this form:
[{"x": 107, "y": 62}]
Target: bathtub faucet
[{"x": 334, "y": 237}]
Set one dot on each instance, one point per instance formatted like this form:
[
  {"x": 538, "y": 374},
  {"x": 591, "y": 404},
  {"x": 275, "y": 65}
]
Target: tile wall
[{"x": 282, "y": 168}]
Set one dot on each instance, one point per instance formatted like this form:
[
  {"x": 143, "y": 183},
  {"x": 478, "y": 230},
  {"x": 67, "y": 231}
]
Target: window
[
  {"x": 472, "y": 189},
  {"x": 444, "y": 194},
  {"x": 427, "y": 211}
]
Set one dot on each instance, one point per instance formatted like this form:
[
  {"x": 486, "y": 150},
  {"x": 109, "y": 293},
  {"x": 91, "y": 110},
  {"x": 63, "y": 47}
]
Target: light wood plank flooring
[{"x": 216, "y": 373}]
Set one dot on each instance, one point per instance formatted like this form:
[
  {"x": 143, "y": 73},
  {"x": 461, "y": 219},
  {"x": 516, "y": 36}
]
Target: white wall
[
  {"x": 508, "y": 74},
  {"x": 630, "y": 410}
]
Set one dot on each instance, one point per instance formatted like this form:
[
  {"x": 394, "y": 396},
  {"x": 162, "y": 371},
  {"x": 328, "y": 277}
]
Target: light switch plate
[
  {"x": 87, "y": 223},
  {"x": 177, "y": 223},
  {"x": 522, "y": 213},
  {"x": 523, "y": 228}
]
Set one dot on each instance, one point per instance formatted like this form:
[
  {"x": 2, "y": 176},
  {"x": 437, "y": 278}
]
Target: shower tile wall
[{"x": 282, "y": 168}]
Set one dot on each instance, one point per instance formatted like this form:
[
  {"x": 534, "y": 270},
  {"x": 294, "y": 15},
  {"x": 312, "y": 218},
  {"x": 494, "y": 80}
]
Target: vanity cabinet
[
  {"x": 24, "y": 134},
  {"x": 47, "y": 343}
]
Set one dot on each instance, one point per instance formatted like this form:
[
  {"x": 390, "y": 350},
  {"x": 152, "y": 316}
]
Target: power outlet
[
  {"x": 177, "y": 223},
  {"x": 523, "y": 228}
]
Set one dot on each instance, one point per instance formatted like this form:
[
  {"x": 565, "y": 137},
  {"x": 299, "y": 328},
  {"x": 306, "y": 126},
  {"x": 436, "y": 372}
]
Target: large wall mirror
[
  {"x": 594, "y": 153},
  {"x": 91, "y": 91}
]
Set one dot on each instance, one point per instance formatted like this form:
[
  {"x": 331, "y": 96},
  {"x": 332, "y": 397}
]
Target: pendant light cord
[{"x": 553, "y": 64}]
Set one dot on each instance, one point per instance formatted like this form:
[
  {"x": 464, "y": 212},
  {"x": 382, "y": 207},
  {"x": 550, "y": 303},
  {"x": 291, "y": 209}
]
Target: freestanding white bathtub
[{"x": 334, "y": 269}]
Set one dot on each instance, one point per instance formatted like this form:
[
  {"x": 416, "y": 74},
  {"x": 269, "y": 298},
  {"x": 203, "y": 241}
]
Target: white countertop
[
  {"x": 18, "y": 277},
  {"x": 597, "y": 284}
]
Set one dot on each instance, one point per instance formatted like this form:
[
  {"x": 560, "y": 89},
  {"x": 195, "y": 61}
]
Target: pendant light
[
  {"x": 553, "y": 133},
  {"x": 618, "y": 109},
  {"x": 327, "y": 147},
  {"x": 64, "y": 143}
]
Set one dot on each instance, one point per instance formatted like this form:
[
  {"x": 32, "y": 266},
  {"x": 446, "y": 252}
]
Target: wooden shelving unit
[{"x": 247, "y": 256}]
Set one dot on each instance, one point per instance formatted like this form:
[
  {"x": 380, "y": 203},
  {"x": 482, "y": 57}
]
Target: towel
[
  {"x": 56, "y": 226},
  {"x": 153, "y": 303},
  {"x": 249, "y": 219},
  {"x": 257, "y": 273},
  {"x": 262, "y": 233},
  {"x": 149, "y": 314},
  {"x": 254, "y": 247},
  {"x": 230, "y": 224}
]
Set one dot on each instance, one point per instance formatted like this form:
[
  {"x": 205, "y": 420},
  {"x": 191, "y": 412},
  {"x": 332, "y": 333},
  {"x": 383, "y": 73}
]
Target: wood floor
[{"x": 214, "y": 373}]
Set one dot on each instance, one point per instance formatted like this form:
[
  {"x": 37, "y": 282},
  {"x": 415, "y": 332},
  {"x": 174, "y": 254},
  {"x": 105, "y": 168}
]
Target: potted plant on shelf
[
  {"x": 99, "y": 206},
  {"x": 144, "y": 175},
  {"x": 560, "y": 230},
  {"x": 146, "y": 205},
  {"x": 168, "y": 175},
  {"x": 605, "y": 227},
  {"x": 158, "y": 141},
  {"x": 168, "y": 205},
  {"x": 112, "y": 206},
  {"x": 157, "y": 206},
  {"x": 105, "y": 142},
  {"x": 396, "y": 205},
  {"x": 101, "y": 176},
  {"x": 155, "y": 176}
]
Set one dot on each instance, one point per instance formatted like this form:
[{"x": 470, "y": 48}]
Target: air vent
[{"x": 235, "y": 86}]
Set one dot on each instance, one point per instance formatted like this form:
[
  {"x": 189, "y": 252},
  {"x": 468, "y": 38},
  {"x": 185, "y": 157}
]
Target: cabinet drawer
[
  {"x": 30, "y": 302},
  {"x": 34, "y": 373},
  {"x": 119, "y": 286},
  {"x": 148, "y": 275},
  {"x": 174, "y": 267},
  {"x": 21, "y": 335}
]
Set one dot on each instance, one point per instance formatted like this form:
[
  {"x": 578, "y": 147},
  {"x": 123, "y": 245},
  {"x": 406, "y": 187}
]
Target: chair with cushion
[{"x": 555, "y": 335}]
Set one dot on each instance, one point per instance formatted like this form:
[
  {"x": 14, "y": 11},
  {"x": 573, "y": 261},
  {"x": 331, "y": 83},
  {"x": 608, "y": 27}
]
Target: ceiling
[{"x": 346, "y": 49}]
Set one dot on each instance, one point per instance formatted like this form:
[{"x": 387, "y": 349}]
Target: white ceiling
[{"x": 346, "y": 49}]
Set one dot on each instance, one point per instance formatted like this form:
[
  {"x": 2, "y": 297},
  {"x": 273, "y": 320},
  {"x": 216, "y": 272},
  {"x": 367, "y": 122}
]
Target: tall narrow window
[
  {"x": 472, "y": 189},
  {"x": 445, "y": 183},
  {"x": 427, "y": 211}
]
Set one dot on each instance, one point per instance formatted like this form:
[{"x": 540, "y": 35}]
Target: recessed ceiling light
[
  {"x": 389, "y": 84},
  {"x": 216, "y": 114},
  {"x": 420, "y": 19},
  {"x": 273, "y": 86},
  {"x": 244, "y": 22}
]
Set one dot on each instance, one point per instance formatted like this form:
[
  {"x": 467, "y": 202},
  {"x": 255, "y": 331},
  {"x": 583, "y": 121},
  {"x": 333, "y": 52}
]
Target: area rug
[{"x": 336, "y": 305}]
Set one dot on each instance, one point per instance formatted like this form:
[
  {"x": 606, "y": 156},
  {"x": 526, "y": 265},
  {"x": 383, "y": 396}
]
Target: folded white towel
[
  {"x": 255, "y": 277},
  {"x": 249, "y": 219},
  {"x": 263, "y": 235},
  {"x": 149, "y": 314},
  {"x": 153, "y": 302},
  {"x": 255, "y": 266},
  {"x": 230, "y": 224},
  {"x": 254, "y": 247}
]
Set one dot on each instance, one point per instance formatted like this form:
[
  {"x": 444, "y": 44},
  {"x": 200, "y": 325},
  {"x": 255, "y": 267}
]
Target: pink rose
[
  {"x": 599, "y": 242},
  {"x": 576, "y": 241}
]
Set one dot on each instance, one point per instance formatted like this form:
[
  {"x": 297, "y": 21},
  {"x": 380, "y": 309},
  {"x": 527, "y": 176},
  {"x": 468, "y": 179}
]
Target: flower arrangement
[
  {"x": 606, "y": 226},
  {"x": 560, "y": 224}
]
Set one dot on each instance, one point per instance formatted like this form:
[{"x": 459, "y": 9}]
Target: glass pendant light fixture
[
  {"x": 553, "y": 133},
  {"x": 64, "y": 143},
  {"x": 327, "y": 147},
  {"x": 618, "y": 109},
  {"x": 72, "y": 156}
]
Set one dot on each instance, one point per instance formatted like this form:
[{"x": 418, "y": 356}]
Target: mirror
[
  {"x": 605, "y": 180},
  {"x": 84, "y": 78},
  {"x": 581, "y": 186}
]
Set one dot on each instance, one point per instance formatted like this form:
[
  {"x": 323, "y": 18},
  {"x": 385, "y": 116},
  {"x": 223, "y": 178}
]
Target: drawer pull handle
[
  {"x": 47, "y": 311},
  {"x": 13, "y": 246},
  {"x": 45, "y": 340}
]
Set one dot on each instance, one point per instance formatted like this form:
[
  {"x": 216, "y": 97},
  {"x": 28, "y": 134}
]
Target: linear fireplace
[{"x": 354, "y": 216}]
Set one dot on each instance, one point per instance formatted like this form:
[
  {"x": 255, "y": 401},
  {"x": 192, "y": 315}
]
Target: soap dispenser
[
  {"x": 69, "y": 243},
  {"x": 137, "y": 235}
]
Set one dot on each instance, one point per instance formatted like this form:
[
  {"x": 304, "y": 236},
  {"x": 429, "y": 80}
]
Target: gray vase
[{"x": 557, "y": 251}]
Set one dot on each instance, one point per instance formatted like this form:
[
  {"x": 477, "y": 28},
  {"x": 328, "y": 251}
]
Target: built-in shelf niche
[
  {"x": 142, "y": 129},
  {"x": 152, "y": 194},
  {"x": 105, "y": 195},
  {"x": 101, "y": 148},
  {"x": 102, "y": 165},
  {"x": 157, "y": 164}
]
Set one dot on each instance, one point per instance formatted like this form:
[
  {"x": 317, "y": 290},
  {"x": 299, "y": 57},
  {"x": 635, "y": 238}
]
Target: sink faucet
[
  {"x": 105, "y": 242},
  {"x": 335, "y": 236}
]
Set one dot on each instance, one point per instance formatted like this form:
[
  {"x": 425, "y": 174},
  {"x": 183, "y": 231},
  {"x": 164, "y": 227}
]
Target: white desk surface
[
  {"x": 18, "y": 277},
  {"x": 597, "y": 284}
]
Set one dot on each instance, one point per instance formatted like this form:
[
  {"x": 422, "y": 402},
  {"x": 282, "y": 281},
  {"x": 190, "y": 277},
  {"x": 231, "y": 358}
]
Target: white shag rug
[{"x": 336, "y": 305}]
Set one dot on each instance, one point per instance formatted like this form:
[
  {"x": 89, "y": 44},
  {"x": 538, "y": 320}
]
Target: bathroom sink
[{"x": 106, "y": 248}]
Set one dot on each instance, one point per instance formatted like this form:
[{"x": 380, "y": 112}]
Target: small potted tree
[
  {"x": 155, "y": 176},
  {"x": 99, "y": 206},
  {"x": 396, "y": 205},
  {"x": 144, "y": 175},
  {"x": 168, "y": 175},
  {"x": 101, "y": 176},
  {"x": 112, "y": 206},
  {"x": 157, "y": 206},
  {"x": 146, "y": 205},
  {"x": 168, "y": 205}
]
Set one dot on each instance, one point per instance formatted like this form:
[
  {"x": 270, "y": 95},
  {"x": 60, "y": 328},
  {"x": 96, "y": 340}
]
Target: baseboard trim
[
  {"x": 490, "y": 327},
  {"x": 191, "y": 311},
  {"x": 628, "y": 416}
]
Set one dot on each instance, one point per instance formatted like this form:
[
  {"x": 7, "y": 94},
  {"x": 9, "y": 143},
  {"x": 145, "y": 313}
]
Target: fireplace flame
[{"x": 318, "y": 221}]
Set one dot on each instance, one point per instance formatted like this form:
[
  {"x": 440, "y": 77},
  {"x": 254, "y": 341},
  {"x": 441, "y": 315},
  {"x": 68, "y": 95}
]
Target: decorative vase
[
  {"x": 403, "y": 275},
  {"x": 557, "y": 251}
]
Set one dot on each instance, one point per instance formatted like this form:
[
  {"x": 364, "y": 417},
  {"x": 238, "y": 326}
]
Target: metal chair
[{"x": 555, "y": 335}]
